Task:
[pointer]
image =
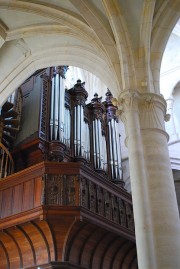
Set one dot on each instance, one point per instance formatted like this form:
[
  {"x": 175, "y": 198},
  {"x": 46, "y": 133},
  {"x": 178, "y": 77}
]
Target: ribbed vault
[{"x": 94, "y": 35}]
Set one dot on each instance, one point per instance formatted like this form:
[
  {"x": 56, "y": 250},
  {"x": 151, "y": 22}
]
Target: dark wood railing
[{"x": 31, "y": 192}]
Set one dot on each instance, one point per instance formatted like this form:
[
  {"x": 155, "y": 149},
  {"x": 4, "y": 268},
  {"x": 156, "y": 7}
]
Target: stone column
[{"x": 157, "y": 224}]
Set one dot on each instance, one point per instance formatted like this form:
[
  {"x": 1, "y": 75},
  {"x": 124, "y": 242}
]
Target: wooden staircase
[
  {"x": 6, "y": 162},
  {"x": 9, "y": 127}
]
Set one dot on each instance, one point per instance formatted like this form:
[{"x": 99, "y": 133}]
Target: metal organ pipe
[
  {"x": 52, "y": 109},
  {"x": 110, "y": 147},
  {"x": 86, "y": 142},
  {"x": 119, "y": 151},
  {"x": 62, "y": 119},
  {"x": 114, "y": 139},
  {"x": 94, "y": 145},
  {"x": 56, "y": 119},
  {"x": 67, "y": 128},
  {"x": 59, "y": 114},
  {"x": 81, "y": 128},
  {"x": 81, "y": 133},
  {"x": 98, "y": 138},
  {"x": 78, "y": 131},
  {"x": 75, "y": 131}
]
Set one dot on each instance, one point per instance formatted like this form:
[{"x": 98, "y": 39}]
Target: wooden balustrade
[
  {"x": 69, "y": 185},
  {"x": 6, "y": 162}
]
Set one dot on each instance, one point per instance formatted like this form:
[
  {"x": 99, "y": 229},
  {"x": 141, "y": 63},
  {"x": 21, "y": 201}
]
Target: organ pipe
[
  {"x": 113, "y": 134},
  {"x": 59, "y": 115},
  {"x": 81, "y": 142},
  {"x": 98, "y": 135}
]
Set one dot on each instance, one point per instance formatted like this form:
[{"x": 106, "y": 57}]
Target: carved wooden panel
[
  {"x": 60, "y": 190},
  {"x": 129, "y": 216},
  {"x": 107, "y": 200},
  {"x": 100, "y": 201},
  {"x": 92, "y": 196},
  {"x": 122, "y": 212},
  {"x": 84, "y": 193},
  {"x": 115, "y": 211}
]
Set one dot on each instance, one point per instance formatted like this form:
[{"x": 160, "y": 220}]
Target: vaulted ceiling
[{"x": 121, "y": 42}]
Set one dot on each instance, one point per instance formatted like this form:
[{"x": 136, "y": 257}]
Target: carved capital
[
  {"x": 150, "y": 107},
  {"x": 152, "y": 111},
  {"x": 128, "y": 100},
  {"x": 142, "y": 111}
]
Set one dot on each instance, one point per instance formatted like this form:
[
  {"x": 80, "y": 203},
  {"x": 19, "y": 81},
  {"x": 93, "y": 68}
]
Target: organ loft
[{"x": 61, "y": 185}]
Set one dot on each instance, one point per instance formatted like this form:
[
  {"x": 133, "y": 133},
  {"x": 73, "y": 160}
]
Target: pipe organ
[
  {"x": 82, "y": 132},
  {"x": 69, "y": 129}
]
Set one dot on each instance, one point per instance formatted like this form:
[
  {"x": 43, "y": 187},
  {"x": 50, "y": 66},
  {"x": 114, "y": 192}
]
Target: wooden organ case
[{"x": 65, "y": 207}]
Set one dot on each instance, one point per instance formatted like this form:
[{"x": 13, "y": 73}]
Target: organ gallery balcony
[{"x": 51, "y": 212}]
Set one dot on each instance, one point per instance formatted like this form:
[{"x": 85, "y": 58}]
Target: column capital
[
  {"x": 128, "y": 98},
  {"x": 150, "y": 107}
]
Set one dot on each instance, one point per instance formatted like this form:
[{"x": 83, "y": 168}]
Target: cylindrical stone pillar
[{"x": 157, "y": 223}]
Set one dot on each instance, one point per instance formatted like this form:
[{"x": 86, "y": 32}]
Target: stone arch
[{"x": 77, "y": 56}]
